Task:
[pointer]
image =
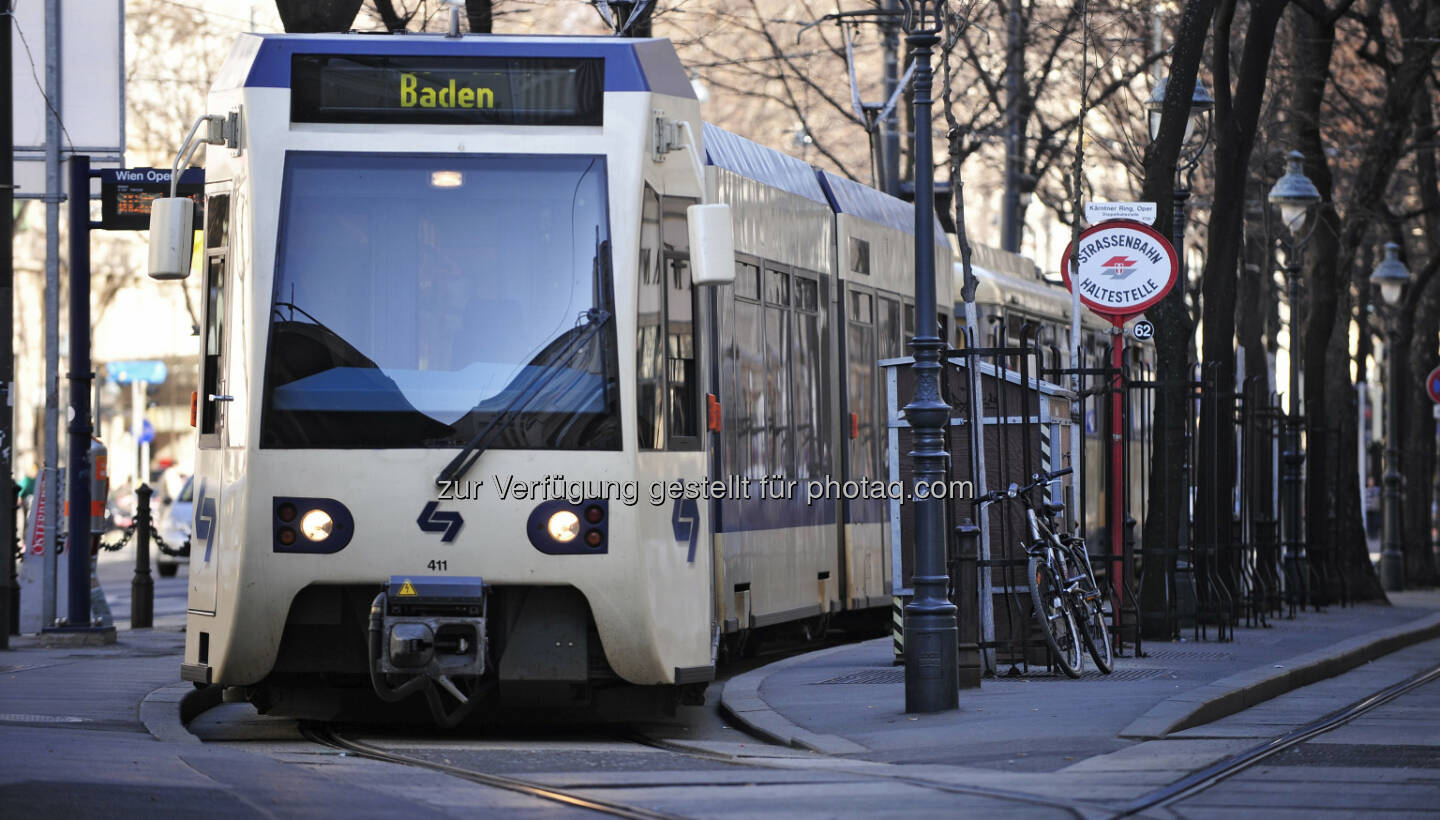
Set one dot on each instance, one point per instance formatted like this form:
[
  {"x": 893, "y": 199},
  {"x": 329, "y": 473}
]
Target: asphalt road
[{"x": 699, "y": 765}]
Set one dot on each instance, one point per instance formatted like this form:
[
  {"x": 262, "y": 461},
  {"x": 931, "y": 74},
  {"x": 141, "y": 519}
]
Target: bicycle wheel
[
  {"x": 1093, "y": 629},
  {"x": 1054, "y": 617}
]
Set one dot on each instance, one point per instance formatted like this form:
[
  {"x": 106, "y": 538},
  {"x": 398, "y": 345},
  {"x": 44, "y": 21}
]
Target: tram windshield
[{"x": 417, "y": 295}]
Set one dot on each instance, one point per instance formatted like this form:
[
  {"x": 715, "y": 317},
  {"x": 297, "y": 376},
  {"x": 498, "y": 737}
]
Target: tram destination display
[
  {"x": 446, "y": 90},
  {"x": 125, "y": 195}
]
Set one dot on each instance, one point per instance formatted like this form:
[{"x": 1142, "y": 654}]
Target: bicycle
[{"x": 1069, "y": 604}]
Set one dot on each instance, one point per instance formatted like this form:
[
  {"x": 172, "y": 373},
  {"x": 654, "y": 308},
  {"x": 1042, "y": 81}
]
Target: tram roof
[
  {"x": 849, "y": 197},
  {"x": 263, "y": 60},
  {"x": 754, "y": 161}
]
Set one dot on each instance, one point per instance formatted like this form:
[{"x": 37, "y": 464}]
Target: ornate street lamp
[
  {"x": 932, "y": 674},
  {"x": 1296, "y": 197},
  {"x": 1391, "y": 276},
  {"x": 1201, "y": 104}
]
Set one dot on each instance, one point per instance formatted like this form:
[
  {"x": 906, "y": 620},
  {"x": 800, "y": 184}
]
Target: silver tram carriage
[{"x": 489, "y": 411}]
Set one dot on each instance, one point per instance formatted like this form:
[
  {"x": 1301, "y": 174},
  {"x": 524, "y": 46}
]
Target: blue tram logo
[
  {"x": 685, "y": 520},
  {"x": 204, "y": 524},
  {"x": 432, "y": 520}
]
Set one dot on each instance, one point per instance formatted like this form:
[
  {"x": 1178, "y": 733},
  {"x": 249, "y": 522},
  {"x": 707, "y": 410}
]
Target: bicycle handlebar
[{"x": 1038, "y": 480}]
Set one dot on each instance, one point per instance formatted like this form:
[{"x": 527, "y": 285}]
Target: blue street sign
[
  {"x": 147, "y": 431},
  {"x": 142, "y": 370}
]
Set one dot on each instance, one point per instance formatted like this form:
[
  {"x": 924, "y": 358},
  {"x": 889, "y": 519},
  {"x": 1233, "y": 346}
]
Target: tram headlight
[
  {"x": 317, "y": 525},
  {"x": 564, "y": 526},
  {"x": 446, "y": 179}
]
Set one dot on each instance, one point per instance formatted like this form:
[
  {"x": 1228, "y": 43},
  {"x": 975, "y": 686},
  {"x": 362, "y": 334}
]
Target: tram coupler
[{"x": 430, "y": 628}]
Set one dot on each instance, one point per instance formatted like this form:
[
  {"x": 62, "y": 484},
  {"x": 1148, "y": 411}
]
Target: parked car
[{"x": 174, "y": 527}]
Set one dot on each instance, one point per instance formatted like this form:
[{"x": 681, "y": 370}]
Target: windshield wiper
[{"x": 540, "y": 378}]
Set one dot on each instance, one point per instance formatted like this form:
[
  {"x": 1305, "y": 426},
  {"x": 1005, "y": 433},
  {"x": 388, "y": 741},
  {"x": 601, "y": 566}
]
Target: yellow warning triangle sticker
[{"x": 407, "y": 589}]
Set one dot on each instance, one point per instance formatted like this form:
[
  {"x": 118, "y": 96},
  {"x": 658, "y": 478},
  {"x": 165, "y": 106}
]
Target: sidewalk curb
[
  {"x": 166, "y": 711},
  {"x": 1240, "y": 691},
  {"x": 160, "y": 713},
  {"x": 740, "y": 699}
]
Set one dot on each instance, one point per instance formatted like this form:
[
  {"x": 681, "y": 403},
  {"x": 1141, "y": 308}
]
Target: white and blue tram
[{"x": 478, "y": 417}]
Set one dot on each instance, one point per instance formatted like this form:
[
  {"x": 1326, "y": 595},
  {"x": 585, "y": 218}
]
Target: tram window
[
  {"x": 777, "y": 288},
  {"x": 681, "y": 364},
  {"x": 861, "y": 307},
  {"x": 214, "y": 341},
  {"x": 778, "y": 417},
  {"x": 399, "y": 319},
  {"x": 860, "y": 356},
  {"x": 859, "y": 256},
  {"x": 217, "y": 221},
  {"x": 217, "y": 229},
  {"x": 747, "y": 280},
  {"x": 891, "y": 343},
  {"x": 806, "y": 294},
  {"x": 750, "y": 374},
  {"x": 811, "y": 409},
  {"x": 649, "y": 395}
]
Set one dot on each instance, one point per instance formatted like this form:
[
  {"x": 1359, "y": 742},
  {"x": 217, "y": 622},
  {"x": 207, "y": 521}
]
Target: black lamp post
[
  {"x": 1391, "y": 276},
  {"x": 1201, "y": 105},
  {"x": 1156, "y": 587},
  {"x": 1296, "y": 197},
  {"x": 932, "y": 675}
]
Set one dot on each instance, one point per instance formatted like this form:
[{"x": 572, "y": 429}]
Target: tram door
[
  {"x": 671, "y": 433},
  {"x": 212, "y": 403}
]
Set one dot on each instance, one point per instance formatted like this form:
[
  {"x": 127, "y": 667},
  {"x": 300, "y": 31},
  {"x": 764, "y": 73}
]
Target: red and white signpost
[{"x": 1124, "y": 268}]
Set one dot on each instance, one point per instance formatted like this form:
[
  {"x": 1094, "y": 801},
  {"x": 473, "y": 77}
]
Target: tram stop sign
[
  {"x": 1432, "y": 385},
  {"x": 1125, "y": 268}
]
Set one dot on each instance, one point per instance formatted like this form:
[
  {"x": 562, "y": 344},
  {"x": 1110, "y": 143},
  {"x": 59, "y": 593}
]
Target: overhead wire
[{"x": 39, "y": 86}]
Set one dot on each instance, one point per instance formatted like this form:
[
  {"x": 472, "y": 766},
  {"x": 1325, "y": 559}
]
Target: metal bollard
[{"x": 142, "y": 587}]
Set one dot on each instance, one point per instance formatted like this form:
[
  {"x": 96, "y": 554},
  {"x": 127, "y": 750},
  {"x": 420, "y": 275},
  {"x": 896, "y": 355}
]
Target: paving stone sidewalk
[{"x": 850, "y": 700}]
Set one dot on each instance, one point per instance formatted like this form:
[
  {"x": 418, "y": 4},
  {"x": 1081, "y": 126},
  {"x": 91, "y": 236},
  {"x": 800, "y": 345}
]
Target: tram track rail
[
  {"x": 1185, "y": 788},
  {"x": 1072, "y": 807},
  {"x": 326, "y": 735},
  {"x": 1212, "y": 775}
]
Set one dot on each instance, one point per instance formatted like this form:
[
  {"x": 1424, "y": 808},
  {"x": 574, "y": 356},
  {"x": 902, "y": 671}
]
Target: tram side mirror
[
  {"x": 712, "y": 245},
  {"x": 172, "y": 233}
]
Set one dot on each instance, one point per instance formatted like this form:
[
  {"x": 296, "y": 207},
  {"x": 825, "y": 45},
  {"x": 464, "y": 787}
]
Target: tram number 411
[
  {"x": 437, "y": 566},
  {"x": 1143, "y": 330}
]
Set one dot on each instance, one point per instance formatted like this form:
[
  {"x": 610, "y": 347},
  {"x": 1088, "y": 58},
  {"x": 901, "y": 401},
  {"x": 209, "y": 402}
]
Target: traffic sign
[
  {"x": 1125, "y": 268},
  {"x": 1143, "y": 330},
  {"x": 1097, "y": 212},
  {"x": 125, "y": 195},
  {"x": 144, "y": 370},
  {"x": 1432, "y": 385}
]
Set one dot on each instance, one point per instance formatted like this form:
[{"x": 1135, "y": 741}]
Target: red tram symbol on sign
[{"x": 1125, "y": 268}]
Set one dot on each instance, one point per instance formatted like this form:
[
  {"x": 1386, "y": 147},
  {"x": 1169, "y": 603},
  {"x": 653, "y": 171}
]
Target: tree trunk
[
  {"x": 1419, "y": 433},
  {"x": 1166, "y": 515},
  {"x": 480, "y": 16},
  {"x": 1236, "y": 115},
  {"x": 317, "y": 16},
  {"x": 1363, "y": 209}
]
